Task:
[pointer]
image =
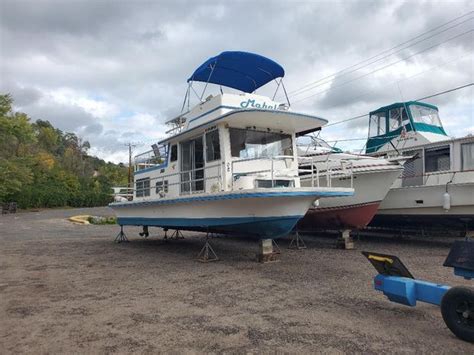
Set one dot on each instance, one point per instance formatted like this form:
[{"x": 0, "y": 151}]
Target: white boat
[
  {"x": 436, "y": 188},
  {"x": 370, "y": 177},
  {"x": 230, "y": 164}
]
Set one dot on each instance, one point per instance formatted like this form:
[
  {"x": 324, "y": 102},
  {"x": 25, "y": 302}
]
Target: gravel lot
[{"x": 69, "y": 288}]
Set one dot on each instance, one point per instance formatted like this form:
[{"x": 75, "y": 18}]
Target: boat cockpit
[{"x": 400, "y": 124}]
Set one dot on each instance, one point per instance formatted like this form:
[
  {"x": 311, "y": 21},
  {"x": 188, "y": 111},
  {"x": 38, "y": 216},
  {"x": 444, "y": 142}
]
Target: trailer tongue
[{"x": 457, "y": 303}]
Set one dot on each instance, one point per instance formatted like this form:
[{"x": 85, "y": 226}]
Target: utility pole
[{"x": 130, "y": 145}]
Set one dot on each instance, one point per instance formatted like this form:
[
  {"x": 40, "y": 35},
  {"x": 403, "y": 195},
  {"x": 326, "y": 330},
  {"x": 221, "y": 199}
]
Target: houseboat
[{"x": 230, "y": 162}]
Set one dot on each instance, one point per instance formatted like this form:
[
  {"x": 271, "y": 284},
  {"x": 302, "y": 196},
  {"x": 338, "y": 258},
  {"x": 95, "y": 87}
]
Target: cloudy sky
[{"x": 114, "y": 71}]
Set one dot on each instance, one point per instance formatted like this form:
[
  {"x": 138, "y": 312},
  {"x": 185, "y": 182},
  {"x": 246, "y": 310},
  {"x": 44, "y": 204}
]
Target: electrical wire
[
  {"x": 386, "y": 66},
  {"x": 343, "y": 71},
  {"x": 422, "y": 98}
]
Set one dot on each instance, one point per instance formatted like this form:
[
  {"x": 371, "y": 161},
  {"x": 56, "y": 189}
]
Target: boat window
[
  {"x": 142, "y": 187},
  {"x": 162, "y": 185},
  {"x": 437, "y": 159},
  {"x": 405, "y": 119},
  {"x": 174, "y": 152},
  {"x": 467, "y": 156},
  {"x": 213, "y": 148},
  {"x": 425, "y": 114},
  {"x": 257, "y": 144},
  {"x": 319, "y": 142},
  {"x": 413, "y": 169},
  {"x": 394, "y": 119},
  {"x": 377, "y": 124}
]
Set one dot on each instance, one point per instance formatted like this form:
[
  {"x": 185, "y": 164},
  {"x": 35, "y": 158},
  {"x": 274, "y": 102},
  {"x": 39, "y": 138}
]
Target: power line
[
  {"x": 384, "y": 67},
  {"x": 422, "y": 98},
  {"x": 342, "y": 71},
  {"x": 456, "y": 59},
  {"x": 378, "y": 60},
  {"x": 445, "y": 92}
]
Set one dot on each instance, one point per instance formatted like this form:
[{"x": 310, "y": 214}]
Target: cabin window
[
  {"x": 394, "y": 119},
  {"x": 174, "y": 152},
  {"x": 405, "y": 119},
  {"x": 437, "y": 159},
  {"x": 142, "y": 187},
  {"x": 213, "y": 148},
  {"x": 162, "y": 185},
  {"x": 413, "y": 169},
  {"x": 467, "y": 156},
  {"x": 425, "y": 114},
  {"x": 250, "y": 144},
  {"x": 377, "y": 124},
  {"x": 398, "y": 117}
]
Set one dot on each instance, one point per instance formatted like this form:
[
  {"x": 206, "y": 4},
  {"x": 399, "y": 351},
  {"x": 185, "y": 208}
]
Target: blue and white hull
[{"x": 260, "y": 213}]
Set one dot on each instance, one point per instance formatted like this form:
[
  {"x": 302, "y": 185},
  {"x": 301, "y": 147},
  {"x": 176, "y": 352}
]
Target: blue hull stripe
[
  {"x": 261, "y": 227},
  {"x": 233, "y": 197}
]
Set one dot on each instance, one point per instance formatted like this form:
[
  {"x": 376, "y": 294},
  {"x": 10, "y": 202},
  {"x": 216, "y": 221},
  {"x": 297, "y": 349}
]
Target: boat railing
[
  {"x": 165, "y": 183},
  {"x": 271, "y": 170},
  {"x": 190, "y": 181},
  {"x": 150, "y": 158},
  {"x": 332, "y": 168}
]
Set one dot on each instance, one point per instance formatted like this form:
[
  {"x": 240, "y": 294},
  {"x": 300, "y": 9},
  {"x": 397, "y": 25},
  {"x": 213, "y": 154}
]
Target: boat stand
[
  {"x": 345, "y": 241},
  {"x": 276, "y": 248},
  {"x": 268, "y": 251},
  {"x": 207, "y": 254},
  {"x": 121, "y": 237},
  {"x": 297, "y": 242},
  {"x": 177, "y": 234},
  {"x": 145, "y": 232}
]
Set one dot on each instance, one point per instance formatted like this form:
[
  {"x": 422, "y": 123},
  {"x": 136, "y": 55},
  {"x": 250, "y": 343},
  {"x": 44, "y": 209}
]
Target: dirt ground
[{"x": 69, "y": 288}]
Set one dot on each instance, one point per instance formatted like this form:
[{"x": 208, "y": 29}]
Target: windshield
[
  {"x": 319, "y": 142},
  {"x": 257, "y": 144},
  {"x": 425, "y": 114}
]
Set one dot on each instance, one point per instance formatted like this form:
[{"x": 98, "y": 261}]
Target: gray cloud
[{"x": 135, "y": 56}]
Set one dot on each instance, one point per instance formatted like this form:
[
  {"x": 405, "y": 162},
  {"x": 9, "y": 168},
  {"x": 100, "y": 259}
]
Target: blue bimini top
[{"x": 239, "y": 70}]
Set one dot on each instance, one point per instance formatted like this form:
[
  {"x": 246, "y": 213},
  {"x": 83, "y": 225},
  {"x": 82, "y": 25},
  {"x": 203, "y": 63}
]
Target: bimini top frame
[{"x": 242, "y": 71}]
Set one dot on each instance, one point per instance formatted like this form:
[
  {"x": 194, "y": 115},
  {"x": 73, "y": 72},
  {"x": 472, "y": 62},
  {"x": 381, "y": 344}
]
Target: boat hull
[
  {"x": 422, "y": 206},
  {"x": 269, "y": 214},
  {"x": 341, "y": 217},
  {"x": 351, "y": 212}
]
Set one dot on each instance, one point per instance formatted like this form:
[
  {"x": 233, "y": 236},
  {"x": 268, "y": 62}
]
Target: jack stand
[
  {"x": 345, "y": 241},
  {"x": 269, "y": 251},
  {"x": 276, "y": 248},
  {"x": 297, "y": 242},
  {"x": 207, "y": 254},
  {"x": 145, "y": 232},
  {"x": 121, "y": 237},
  {"x": 177, "y": 234}
]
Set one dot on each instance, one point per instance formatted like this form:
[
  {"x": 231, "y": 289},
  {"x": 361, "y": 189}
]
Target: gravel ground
[{"x": 69, "y": 288}]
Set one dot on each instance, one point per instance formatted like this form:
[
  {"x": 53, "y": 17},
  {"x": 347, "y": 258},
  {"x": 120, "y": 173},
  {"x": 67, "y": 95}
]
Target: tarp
[{"x": 239, "y": 70}]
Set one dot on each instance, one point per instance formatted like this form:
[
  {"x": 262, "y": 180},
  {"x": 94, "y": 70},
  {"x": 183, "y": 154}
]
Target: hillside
[{"x": 42, "y": 166}]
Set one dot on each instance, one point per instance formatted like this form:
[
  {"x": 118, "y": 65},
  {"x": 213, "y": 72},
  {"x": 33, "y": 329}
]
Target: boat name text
[{"x": 251, "y": 103}]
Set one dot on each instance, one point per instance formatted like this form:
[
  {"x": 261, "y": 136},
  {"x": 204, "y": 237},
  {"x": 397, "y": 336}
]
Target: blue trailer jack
[{"x": 457, "y": 303}]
